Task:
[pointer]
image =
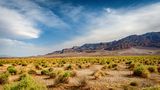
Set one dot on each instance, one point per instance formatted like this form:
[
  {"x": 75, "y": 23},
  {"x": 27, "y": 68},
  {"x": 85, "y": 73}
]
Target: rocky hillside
[{"x": 151, "y": 40}]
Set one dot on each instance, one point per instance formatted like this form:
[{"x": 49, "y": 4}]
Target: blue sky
[{"x": 36, "y": 27}]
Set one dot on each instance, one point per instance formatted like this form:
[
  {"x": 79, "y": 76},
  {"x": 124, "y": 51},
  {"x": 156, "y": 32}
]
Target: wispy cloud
[
  {"x": 14, "y": 25},
  {"x": 21, "y": 18},
  {"x": 115, "y": 24}
]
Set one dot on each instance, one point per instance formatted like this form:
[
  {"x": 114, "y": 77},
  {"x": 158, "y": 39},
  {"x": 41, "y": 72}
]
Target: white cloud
[
  {"x": 19, "y": 19},
  {"x": 14, "y": 25},
  {"x": 118, "y": 24},
  {"x": 11, "y": 47}
]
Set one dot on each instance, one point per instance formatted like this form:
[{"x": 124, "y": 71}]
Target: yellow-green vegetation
[
  {"x": 26, "y": 83},
  {"x": 12, "y": 70},
  {"x": 126, "y": 71},
  {"x": 4, "y": 77},
  {"x": 141, "y": 71}
]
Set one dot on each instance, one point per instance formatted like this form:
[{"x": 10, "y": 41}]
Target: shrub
[
  {"x": 112, "y": 65},
  {"x": 152, "y": 88},
  {"x": 4, "y": 78},
  {"x": 52, "y": 74},
  {"x": 152, "y": 69},
  {"x": 38, "y": 67},
  {"x": 141, "y": 71},
  {"x": 26, "y": 83},
  {"x": 98, "y": 74},
  {"x": 32, "y": 72},
  {"x": 1, "y": 64},
  {"x": 50, "y": 69},
  {"x": 73, "y": 73},
  {"x": 133, "y": 65},
  {"x": 62, "y": 78},
  {"x": 104, "y": 67},
  {"x": 12, "y": 70},
  {"x": 128, "y": 62},
  {"x": 134, "y": 84},
  {"x": 24, "y": 64},
  {"x": 45, "y": 72},
  {"x": 55, "y": 73},
  {"x": 69, "y": 67},
  {"x": 158, "y": 69}
]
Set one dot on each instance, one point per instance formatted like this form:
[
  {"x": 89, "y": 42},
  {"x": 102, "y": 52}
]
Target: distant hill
[{"x": 148, "y": 41}]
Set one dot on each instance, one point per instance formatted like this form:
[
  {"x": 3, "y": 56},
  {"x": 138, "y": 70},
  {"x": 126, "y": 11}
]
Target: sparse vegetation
[
  {"x": 66, "y": 73},
  {"x": 141, "y": 71},
  {"x": 31, "y": 71},
  {"x": 45, "y": 72},
  {"x": 4, "y": 78},
  {"x": 12, "y": 70},
  {"x": 26, "y": 83}
]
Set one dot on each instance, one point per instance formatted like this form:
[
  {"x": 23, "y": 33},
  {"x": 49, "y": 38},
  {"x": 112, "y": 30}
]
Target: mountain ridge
[{"x": 150, "y": 40}]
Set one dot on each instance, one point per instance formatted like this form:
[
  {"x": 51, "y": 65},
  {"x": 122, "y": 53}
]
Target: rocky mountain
[{"x": 148, "y": 40}]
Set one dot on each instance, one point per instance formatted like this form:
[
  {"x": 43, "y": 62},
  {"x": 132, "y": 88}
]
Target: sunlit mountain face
[{"x": 37, "y": 27}]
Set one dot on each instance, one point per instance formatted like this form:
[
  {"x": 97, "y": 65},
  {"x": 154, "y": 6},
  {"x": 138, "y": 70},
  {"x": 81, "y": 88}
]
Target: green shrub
[
  {"x": 62, "y": 78},
  {"x": 45, "y": 72},
  {"x": 1, "y": 64},
  {"x": 133, "y": 65},
  {"x": 26, "y": 83},
  {"x": 53, "y": 74},
  {"x": 152, "y": 88},
  {"x": 12, "y": 70},
  {"x": 50, "y": 69},
  {"x": 112, "y": 65},
  {"x": 152, "y": 69},
  {"x": 4, "y": 78},
  {"x": 141, "y": 71},
  {"x": 32, "y": 72},
  {"x": 69, "y": 67}
]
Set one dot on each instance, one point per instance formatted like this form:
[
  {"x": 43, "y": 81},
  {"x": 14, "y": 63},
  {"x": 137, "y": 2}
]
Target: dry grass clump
[
  {"x": 141, "y": 71},
  {"x": 98, "y": 74},
  {"x": 4, "y": 77},
  {"x": 26, "y": 83},
  {"x": 133, "y": 65},
  {"x": 152, "y": 69},
  {"x": 70, "y": 67},
  {"x": 55, "y": 73},
  {"x": 1, "y": 64},
  {"x": 62, "y": 78},
  {"x": 31, "y": 71},
  {"x": 152, "y": 88},
  {"x": 45, "y": 72},
  {"x": 38, "y": 67},
  {"x": 112, "y": 65}
]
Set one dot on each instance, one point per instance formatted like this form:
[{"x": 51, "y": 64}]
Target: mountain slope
[{"x": 150, "y": 40}]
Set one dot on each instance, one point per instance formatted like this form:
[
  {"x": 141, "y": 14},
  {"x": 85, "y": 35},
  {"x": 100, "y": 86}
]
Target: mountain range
[{"x": 148, "y": 43}]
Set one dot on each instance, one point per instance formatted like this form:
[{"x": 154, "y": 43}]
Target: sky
[{"x": 37, "y": 27}]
